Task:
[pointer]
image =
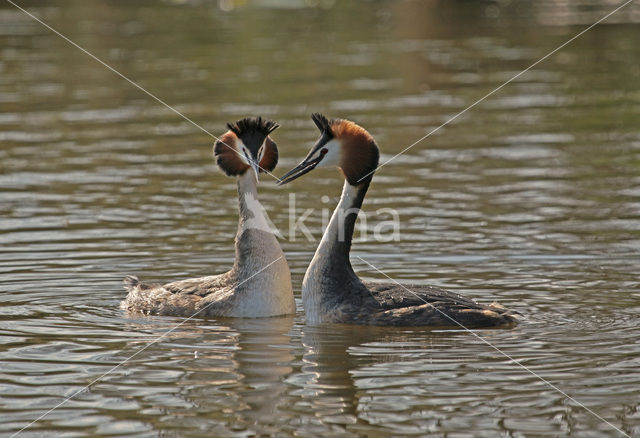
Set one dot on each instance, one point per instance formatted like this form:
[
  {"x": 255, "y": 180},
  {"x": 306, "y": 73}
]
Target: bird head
[
  {"x": 247, "y": 145},
  {"x": 341, "y": 144}
]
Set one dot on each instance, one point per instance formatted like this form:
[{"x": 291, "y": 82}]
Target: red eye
[{"x": 324, "y": 151}]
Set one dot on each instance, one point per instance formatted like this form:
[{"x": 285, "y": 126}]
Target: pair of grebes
[{"x": 259, "y": 283}]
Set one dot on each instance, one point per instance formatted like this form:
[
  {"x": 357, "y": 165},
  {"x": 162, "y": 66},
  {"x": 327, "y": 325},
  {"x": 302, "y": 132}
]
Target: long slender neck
[
  {"x": 333, "y": 251},
  {"x": 253, "y": 230},
  {"x": 247, "y": 199},
  {"x": 260, "y": 279}
]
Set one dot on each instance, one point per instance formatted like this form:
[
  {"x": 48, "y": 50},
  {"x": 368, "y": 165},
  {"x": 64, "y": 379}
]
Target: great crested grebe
[
  {"x": 331, "y": 291},
  {"x": 259, "y": 284}
]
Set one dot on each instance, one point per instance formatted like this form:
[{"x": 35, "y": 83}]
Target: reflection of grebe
[
  {"x": 259, "y": 284},
  {"x": 331, "y": 291}
]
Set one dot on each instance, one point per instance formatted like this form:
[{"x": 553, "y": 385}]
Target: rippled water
[{"x": 531, "y": 198}]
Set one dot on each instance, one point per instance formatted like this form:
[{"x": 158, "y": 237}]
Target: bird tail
[
  {"x": 130, "y": 282},
  {"x": 513, "y": 314}
]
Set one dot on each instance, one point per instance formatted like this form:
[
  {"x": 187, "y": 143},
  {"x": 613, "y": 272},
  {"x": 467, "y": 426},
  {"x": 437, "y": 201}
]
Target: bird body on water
[
  {"x": 259, "y": 283},
  {"x": 331, "y": 290}
]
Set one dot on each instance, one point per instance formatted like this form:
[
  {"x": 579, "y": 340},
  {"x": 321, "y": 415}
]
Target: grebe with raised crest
[
  {"x": 259, "y": 283},
  {"x": 331, "y": 291}
]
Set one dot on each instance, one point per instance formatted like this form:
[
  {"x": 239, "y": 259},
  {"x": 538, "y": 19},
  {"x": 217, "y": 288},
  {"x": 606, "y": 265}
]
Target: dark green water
[{"x": 531, "y": 199}]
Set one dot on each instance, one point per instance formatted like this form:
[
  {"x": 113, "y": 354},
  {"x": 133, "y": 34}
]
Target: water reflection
[
  {"x": 264, "y": 362},
  {"x": 224, "y": 377},
  {"x": 328, "y": 387},
  {"x": 531, "y": 199}
]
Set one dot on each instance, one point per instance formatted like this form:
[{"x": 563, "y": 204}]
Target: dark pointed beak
[
  {"x": 305, "y": 167},
  {"x": 256, "y": 168},
  {"x": 253, "y": 162}
]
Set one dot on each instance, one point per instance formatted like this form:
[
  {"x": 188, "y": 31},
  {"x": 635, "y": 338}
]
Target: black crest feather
[
  {"x": 250, "y": 125},
  {"x": 323, "y": 124}
]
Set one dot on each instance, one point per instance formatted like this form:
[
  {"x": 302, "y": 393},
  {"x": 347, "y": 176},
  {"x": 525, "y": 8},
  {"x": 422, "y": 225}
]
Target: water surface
[{"x": 531, "y": 199}]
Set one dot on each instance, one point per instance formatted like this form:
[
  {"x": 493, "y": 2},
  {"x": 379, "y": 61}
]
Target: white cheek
[
  {"x": 332, "y": 157},
  {"x": 240, "y": 147}
]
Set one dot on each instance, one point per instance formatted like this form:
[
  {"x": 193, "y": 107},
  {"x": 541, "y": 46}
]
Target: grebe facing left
[
  {"x": 331, "y": 291},
  {"x": 259, "y": 284}
]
